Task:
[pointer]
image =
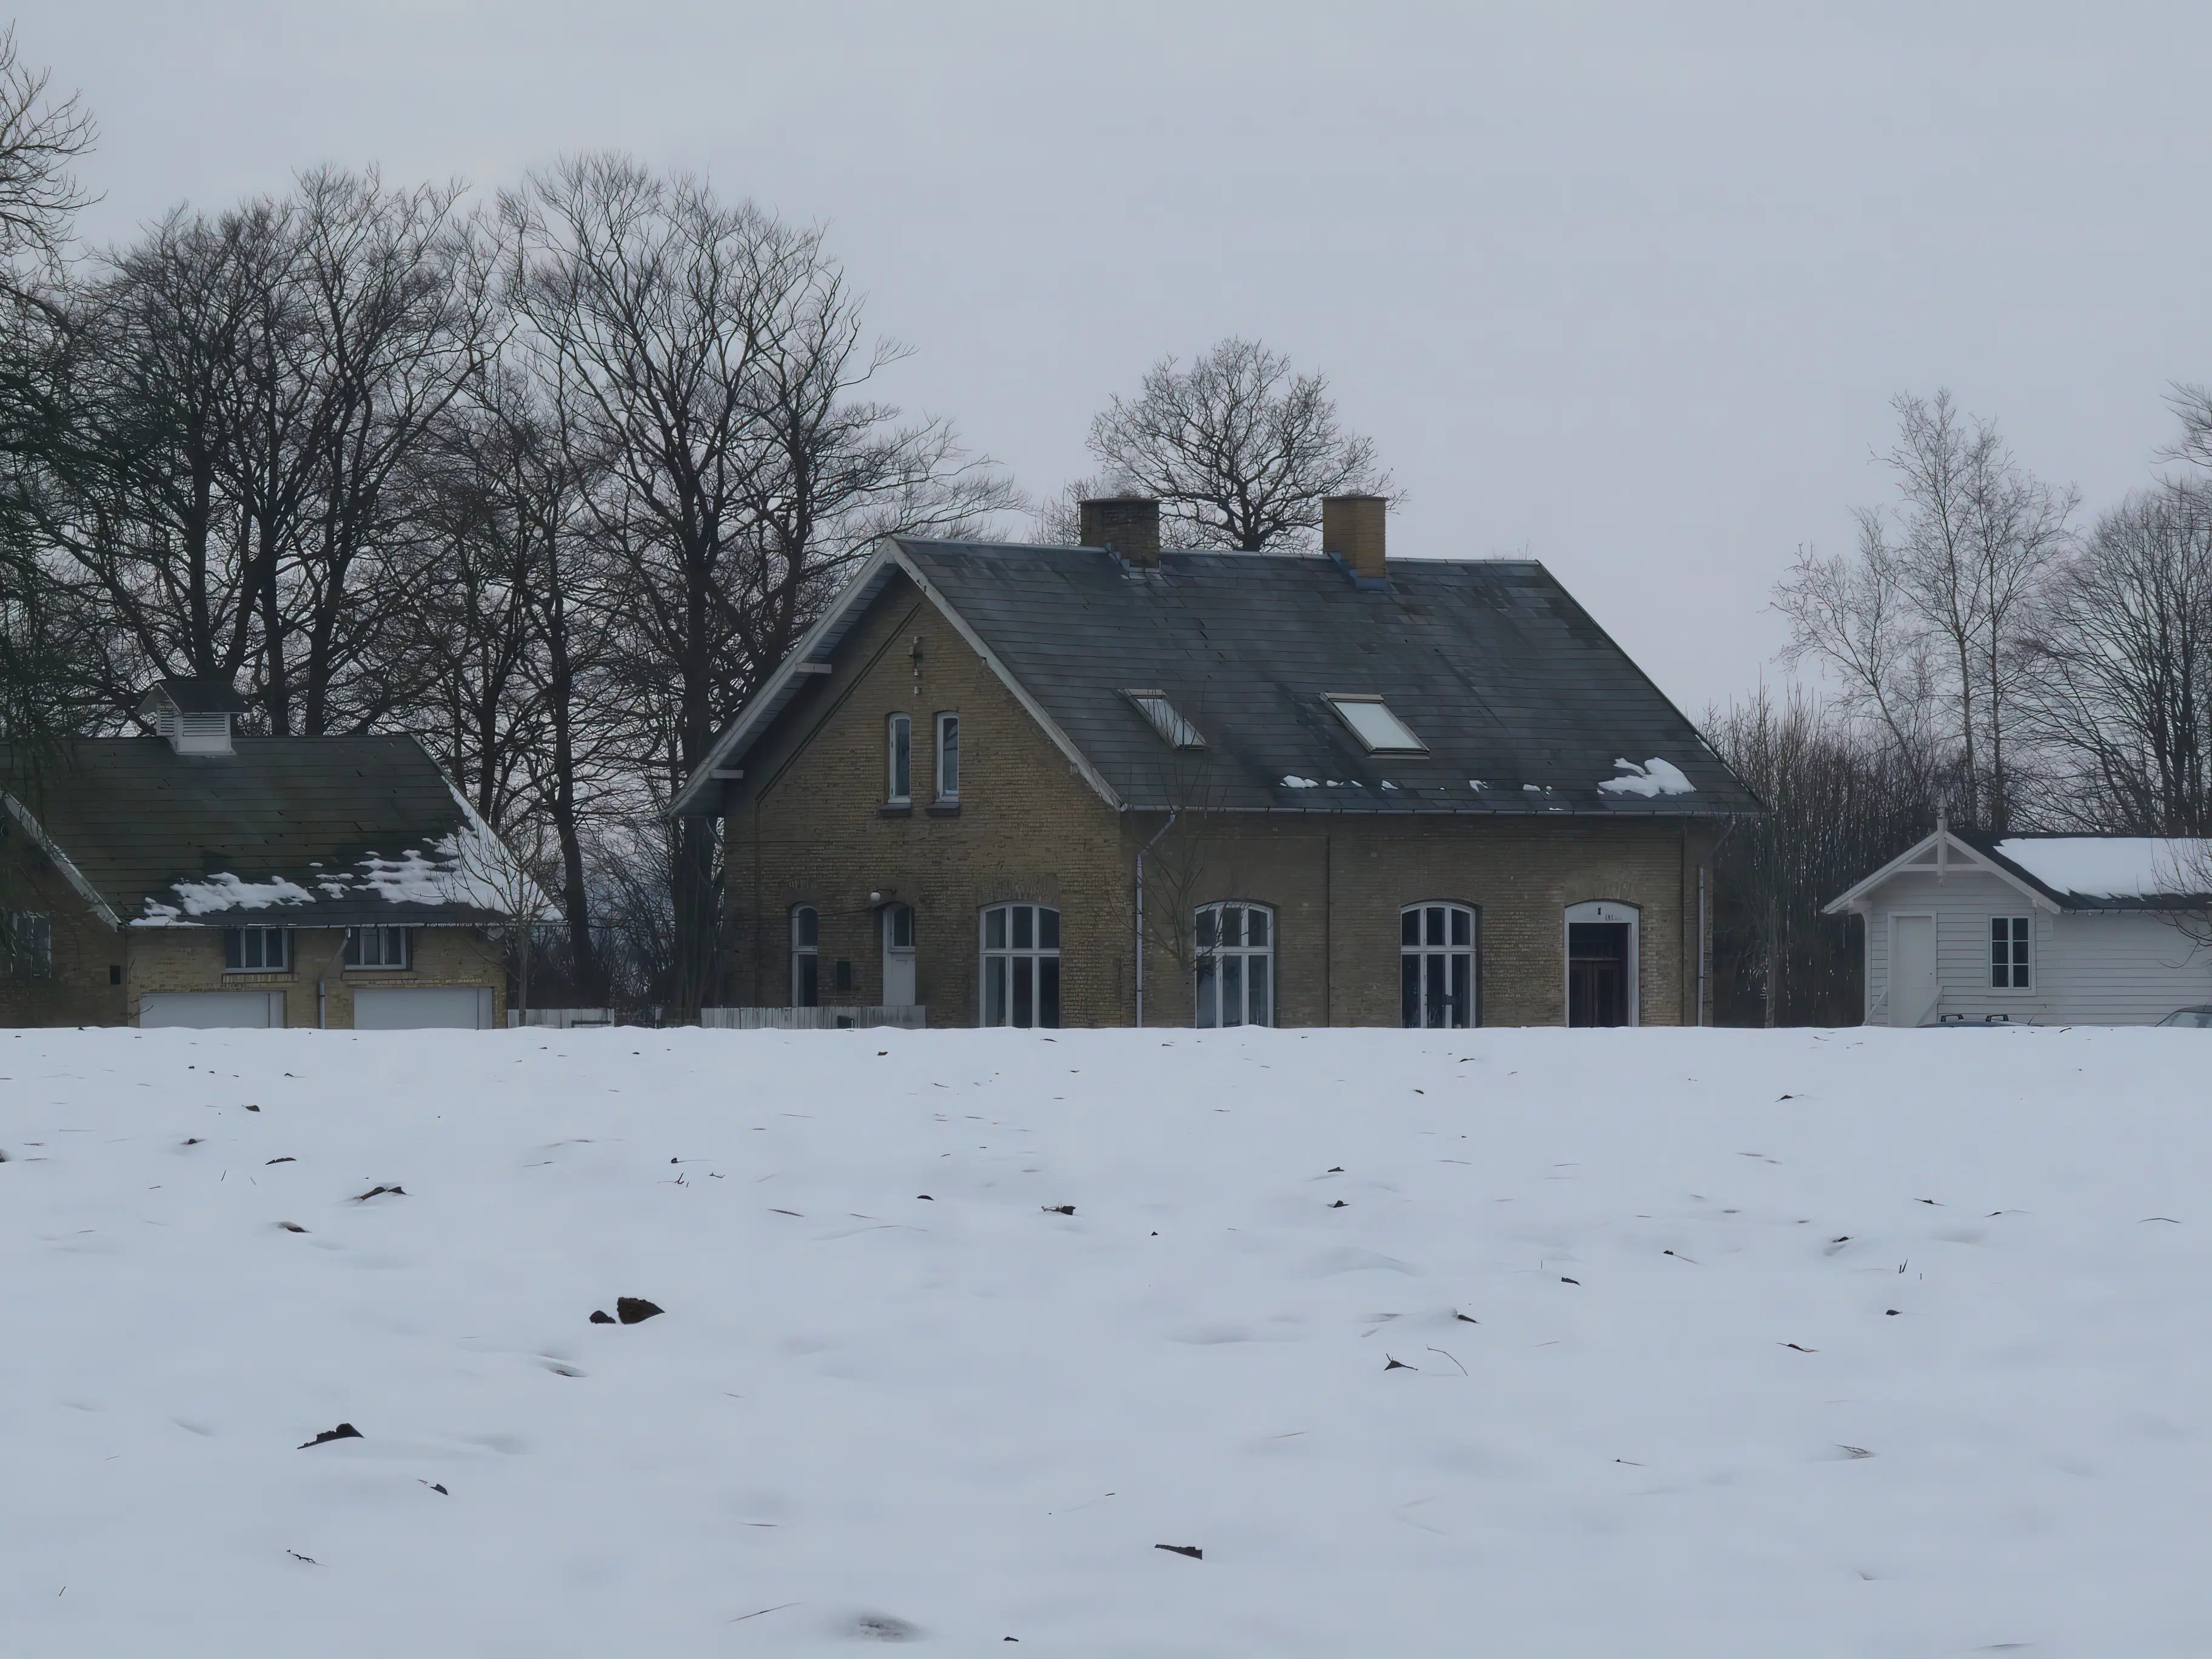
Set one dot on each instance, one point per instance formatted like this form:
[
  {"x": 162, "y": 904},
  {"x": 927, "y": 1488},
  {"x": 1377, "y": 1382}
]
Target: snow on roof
[
  {"x": 225, "y": 891},
  {"x": 1655, "y": 777},
  {"x": 2113, "y": 866},
  {"x": 470, "y": 869}
]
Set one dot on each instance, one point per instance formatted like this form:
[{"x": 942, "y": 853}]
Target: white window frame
[
  {"x": 1010, "y": 959},
  {"x": 30, "y": 945},
  {"x": 1164, "y": 718},
  {"x": 1342, "y": 703},
  {"x": 898, "y": 761},
  {"x": 947, "y": 725},
  {"x": 2024, "y": 927},
  {"x": 1603, "y": 911},
  {"x": 805, "y": 953},
  {"x": 238, "y": 935},
  {"x": 356, "y": 956},
  {"x": 1442, "y": 953},
  {"x": 1210, "y": 975}
]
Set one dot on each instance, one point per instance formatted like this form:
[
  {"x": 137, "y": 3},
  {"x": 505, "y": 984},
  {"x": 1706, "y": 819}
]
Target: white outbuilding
[{"x": 2039, "y": 930}]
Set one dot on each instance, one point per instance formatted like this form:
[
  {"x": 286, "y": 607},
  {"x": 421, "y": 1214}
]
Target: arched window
[
  {"x": 1021, "y": 966},
  {"x": 1236, "y": 978},
  {"x": 805, "y": 958},
  {"x": 1436, "y": 966}
]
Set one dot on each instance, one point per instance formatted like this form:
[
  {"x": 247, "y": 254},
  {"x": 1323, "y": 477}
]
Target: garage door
[
  {"x": 464, "y": 1008},
  {"x": 211, "y": 1011}
]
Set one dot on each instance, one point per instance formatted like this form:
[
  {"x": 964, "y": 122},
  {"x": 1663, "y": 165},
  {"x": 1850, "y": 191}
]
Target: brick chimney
[
  {"x": 1126, "y": 525},
  {"x": 1351, "y": 530}
]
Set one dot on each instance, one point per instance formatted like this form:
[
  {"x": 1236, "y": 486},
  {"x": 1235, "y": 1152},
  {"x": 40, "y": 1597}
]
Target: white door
[
  {"x": 212, "y": 1010},
  {"x": 462, "y": 1008},
  {"x": 898, "y": 956},
  {"x": 1912, "y": 986}
]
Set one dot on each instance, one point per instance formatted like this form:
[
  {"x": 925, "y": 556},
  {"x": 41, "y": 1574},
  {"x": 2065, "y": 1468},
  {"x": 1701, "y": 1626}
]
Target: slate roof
[
  {"x": 1524, "y": 701},
  {"x": 304, "y": 832}
]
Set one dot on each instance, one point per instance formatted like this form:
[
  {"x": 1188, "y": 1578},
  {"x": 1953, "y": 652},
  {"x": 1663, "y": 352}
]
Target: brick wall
[
  {"x": 807, "y": 826},
  {"x": 191, "y": 959},
  {"x": 1337, "y": 885},
  {"x": 77, "y": 991}
]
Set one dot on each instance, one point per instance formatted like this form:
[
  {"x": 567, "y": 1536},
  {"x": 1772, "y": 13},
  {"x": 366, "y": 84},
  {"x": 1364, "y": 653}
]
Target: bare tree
[
  {"x": 1926, "y": 627},
  {"x": 2121, "y": 667},
  {"x": 710, "y": 361},
  {"x": 1239, "y": 450},
  {"x": 1840, "y": 801},
  {"x": 240, "y": 401},
  {"x": 39, "y": 138},
  {"x": 508, "y": 609}
]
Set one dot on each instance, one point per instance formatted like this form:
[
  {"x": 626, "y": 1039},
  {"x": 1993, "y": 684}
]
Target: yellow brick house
[{"x": 200, "y": 878}]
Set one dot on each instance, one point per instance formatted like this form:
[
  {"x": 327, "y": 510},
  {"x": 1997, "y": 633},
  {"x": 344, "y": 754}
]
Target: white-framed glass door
[
  {"x": 898, "y": 956},
  {"x": 1021, "y": 966},
  {"x": 1234, "y": 981},
  {"x": 1436, "y": 966}
]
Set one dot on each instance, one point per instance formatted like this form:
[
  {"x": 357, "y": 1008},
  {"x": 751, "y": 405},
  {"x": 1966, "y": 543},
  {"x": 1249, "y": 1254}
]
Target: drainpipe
[
  {"x": 322, "y": 1000},
  {"x": 1141, "y": 851}
]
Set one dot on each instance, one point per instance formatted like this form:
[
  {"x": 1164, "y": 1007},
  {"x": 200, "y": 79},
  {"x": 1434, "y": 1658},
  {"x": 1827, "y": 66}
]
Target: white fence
[
  {"x": 913, "y": 1018},
  {"x": 559, "y": 1019}
]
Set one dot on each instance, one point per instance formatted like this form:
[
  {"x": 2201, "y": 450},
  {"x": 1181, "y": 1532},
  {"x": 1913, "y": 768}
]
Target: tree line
[
  {"x": 1988, "y": 656},
  {"x": 551, "y": 479}
]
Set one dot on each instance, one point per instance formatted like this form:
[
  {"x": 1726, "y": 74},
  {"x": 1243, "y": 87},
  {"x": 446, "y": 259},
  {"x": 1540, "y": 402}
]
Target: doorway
[
  {"x": 1601, "y": 960},
  {"x": 898, "y": 956},
  {"x": 1912, "y": 984}
]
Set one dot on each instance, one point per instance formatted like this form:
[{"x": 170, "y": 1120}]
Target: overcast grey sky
[{"x": 1624, "y": 286}]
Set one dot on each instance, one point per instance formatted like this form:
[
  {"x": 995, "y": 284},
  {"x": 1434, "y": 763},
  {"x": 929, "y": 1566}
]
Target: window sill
[
  {"x": 945, "y": 809},
  {"x": 256, "y": 973},
  {"x": 898, "y": 809}
]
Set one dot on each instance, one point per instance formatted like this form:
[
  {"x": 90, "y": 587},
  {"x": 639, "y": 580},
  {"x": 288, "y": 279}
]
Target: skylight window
[
  {"x": 1154, "y": 706},
  {"x": 1371, "y": 721}
]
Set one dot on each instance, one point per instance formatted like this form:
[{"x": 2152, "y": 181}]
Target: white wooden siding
[{"x": 2090, "y": 968}]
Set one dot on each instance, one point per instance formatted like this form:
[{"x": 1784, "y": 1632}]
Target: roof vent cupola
[{"x": 194, "y": 716}]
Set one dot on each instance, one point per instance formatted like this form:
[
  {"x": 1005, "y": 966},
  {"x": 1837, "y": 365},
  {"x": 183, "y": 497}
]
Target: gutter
[{"x": 60, "y": 860}]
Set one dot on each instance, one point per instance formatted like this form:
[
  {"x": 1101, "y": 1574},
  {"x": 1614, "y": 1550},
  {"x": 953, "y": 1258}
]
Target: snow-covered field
[{"x": 1855, "y": 1343}]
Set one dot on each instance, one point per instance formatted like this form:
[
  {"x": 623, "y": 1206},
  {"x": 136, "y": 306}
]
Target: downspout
[
  {"x": 322, "y": 1000},
  {"x": 1141, "y": 851},
  {"x": 1701, "y": 944}
]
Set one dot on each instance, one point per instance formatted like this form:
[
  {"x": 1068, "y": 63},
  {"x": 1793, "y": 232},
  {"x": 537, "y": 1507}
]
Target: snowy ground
[{"x": 1861, "y": 1343}]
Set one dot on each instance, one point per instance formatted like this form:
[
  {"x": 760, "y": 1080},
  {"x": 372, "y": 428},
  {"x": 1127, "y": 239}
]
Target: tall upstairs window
[
  {"x": 1436, "y": 966},
  {"x": 806, "y": 957},
  {"x": 898, "y": 788},
  {"x": 948, "y": 757},
  {"x": 1235, "y": 977},
  {"x": 1021, "y": 966}
]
